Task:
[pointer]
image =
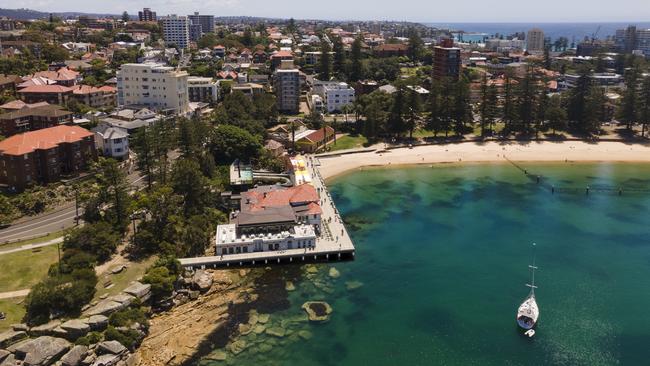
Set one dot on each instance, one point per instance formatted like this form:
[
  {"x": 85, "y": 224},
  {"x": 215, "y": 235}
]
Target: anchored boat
[{"x": 528, "y": 311}]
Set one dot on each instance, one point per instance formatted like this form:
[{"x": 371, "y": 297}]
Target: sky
[{"x": 408, "y": 10}]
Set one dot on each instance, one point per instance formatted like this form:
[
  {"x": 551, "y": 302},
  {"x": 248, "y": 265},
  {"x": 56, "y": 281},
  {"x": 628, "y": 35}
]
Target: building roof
[
  {"x": 36, "y": 81},
  {"x": 47, "y": 110},
  {"x": 62, "y": 74},
  {"x": 87, "y": 89},
  {"x": 46, "y": 138},
  {"x": 319, "y": 134},
  {"x": 57, "y": 89},
  {"x": 10, "y": 79},
  {"x": 109, "y": 132},
  {"x": 278, "y": 54},
  {"x": 19, "y": 104},
  {"x": 392, "y": 47}
]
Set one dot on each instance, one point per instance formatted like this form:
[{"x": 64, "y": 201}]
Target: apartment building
[
  {"x": 633, "y": 39},
  {"x": 31, "y": 119},
  {"x": 146, "y": 15},
  {"x": 535, "y": 40},
  {"x": 152, "y": 85},
  {"x": 286, "y": 85},
  {"x": 334, "y": 95},
  {"x": 446, "y": 61},
  {"x": 52, "y": 94},
  {"x": 206, "y": 23},
  {"x": 102, "y": 97},
  {"x": 176, "y": 30},
  {"x": 44, "y": 156},
  {"x": 202, "y": 89}
]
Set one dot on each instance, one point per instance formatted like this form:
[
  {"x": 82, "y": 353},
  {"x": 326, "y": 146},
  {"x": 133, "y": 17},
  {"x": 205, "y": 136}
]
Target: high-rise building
[
  {"x": 155, "y": 86},
  {"x": 535, "y": 40},
  {"x": 176, "y": 30},
  {"x": 206, "y": 22},
  {"x": 633, "y": 39},
  {"x": 196, "y": 32},
  {"x": 286, "y": 85},
  {"x": 146, "y": 15},
  {"x": 446, "y": 60}
]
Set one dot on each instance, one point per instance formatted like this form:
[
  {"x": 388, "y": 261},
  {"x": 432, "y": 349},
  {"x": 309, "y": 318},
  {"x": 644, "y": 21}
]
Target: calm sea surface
[{"x": 442, "y": 255}]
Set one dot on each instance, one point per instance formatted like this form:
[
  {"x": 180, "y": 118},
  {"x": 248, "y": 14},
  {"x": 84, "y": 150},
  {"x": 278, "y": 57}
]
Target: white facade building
[
  {"x": 335, "y": 95},
  {"x": 202, "y": 89},
  {"x": 176, "y": 30},
  {"x": 229, "y": 242},
  {"x": 152, "y": 85},
  {"x": 111, "y": 141}
]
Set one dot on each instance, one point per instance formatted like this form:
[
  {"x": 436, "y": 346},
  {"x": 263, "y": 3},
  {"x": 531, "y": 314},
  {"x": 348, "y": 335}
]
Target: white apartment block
[
  {"x": 176, "y": 30},
  {"x": 335, "y": 95},
  {"x": 202, "y": 89},
  {"x": 152, "y": 85}
]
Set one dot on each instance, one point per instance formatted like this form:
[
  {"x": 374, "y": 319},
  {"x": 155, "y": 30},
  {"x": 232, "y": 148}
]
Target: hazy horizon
[{"x": 473, "y": 11}]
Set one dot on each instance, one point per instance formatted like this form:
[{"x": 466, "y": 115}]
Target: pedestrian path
[{"x": 32, "y": 246}]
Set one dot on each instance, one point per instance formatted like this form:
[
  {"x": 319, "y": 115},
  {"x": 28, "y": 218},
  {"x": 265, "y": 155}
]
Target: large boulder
[
  {"x": 4, "y": 354},
  {"x": 202, "y": 280},
  {"x": 76, "y": 328},
  {"x": 42, "y": 351},
  {"x": 10, "y": 337},
  {"x": 140, "y": 290},
  {"x": 74, "y": 356},
  {"x": 97, "y": 322},
  {"x": 45, "y": 329},
  {"x": 9, "y": 360},
  {"x": 110, "y": 347},
  {"x": 105, "y": 307},
  {"x": 107, "y": 360},
  {"x": 124, "y": 299}
]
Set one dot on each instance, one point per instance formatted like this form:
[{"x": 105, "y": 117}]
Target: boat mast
[{"x": 532, "y": 270}]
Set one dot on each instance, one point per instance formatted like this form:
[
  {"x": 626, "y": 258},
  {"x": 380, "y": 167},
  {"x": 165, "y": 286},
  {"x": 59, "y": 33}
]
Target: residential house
[
  {"x": 311, "y": 141},
  {"x": 391, "y": 50},
  {"x": 112, "y": 141}
]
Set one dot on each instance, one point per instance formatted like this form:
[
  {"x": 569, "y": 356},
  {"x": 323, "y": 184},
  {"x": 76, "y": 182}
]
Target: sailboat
[{"x": 528, "y": 311}]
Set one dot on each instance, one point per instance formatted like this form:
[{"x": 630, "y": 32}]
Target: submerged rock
[
  {"x": 276, "y": 331},
  {"x": 334, "y": 273},
  {"x": 311, "y": 268},
  {"x": 353, "y": 285},
  {"x": 259, "y": 329},
  {"x": 218, "y": 355},
  {"x": 237, "y": 346},
  {"x": 318, "y": 311},
  {"x": 304, "y": 334},
  {"x": 289, "y": 286},
  {"x": 263, "y": 318},
  {"x": 245, "y": 329}
]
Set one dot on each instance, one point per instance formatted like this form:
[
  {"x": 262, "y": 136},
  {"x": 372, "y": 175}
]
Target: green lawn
[
  {"x": 14, "y": 311},
  {"x": 122, "y": 280},
  {"x": 348, "y": 142},
  {"x": 22, "y": 270}
]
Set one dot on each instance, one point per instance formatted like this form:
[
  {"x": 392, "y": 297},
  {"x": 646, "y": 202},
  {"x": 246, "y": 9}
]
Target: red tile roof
[
  {"x": 87, "y": 89},
  {"x": 319, "y": 134},
  {"x": 282, "y": 54},
  {"x": 299, "y": 195},
  {"x": 62, "y": 74},
  {"x": 46, "y": 138},
  {"x": 45, "y": 89}
]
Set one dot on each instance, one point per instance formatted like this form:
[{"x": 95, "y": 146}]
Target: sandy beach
[{"x": 471, "y": 152}]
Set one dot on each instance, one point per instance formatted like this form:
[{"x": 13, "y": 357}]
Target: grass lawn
[
  {"x": 14, "y": 310},
  {"x": 122, "y": 280},
  {"x": 24, "y": 269},
  {"x": 40, "y": 239},
  {"x": 348, "y": 142}
]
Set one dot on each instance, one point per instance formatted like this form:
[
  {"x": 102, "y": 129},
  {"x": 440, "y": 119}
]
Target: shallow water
[{"x": 442, "y": 255}]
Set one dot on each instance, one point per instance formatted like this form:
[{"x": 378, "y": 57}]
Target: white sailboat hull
[{"x": 528, "y": 313}]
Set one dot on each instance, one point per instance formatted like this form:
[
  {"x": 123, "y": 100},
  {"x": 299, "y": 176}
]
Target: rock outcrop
[
  {"x": 10, "y": 337},
  {"x": 41, "y": 351},
  {"x": 318, "y": 311},
  {"x": 74, "y": 356}
]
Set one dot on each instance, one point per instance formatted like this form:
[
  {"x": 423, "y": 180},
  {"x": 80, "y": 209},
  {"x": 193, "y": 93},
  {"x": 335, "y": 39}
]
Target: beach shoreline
[{"x": 334, "y": 166}]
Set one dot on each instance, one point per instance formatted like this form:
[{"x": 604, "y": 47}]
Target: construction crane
[{"x": 594, "y": 34}]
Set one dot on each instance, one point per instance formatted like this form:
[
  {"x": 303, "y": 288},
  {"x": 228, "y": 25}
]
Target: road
[{"x": 50, "y": 222}]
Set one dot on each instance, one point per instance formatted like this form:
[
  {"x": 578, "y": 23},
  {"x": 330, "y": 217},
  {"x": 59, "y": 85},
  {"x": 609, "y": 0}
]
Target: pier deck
[{"x": 334, "y": 242}]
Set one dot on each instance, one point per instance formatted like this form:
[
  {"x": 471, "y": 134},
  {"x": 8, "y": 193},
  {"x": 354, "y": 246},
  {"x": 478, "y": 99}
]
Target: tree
[
  {"x": 527, "y": 100},
  {"x": 644, "y": 105},
  {"x": 415, "y": 45},
  {"x": 231, "y": 142},
  {"x": 189, "y": 182},
  {"x": 356, "y": 66},
  {"x": 396, "y": 124},
  {"x": 197, "y": 235},
  {"x": 489, "y": 108},
  {"x": 142, "y": 144},
  {"x": 628, "y": 112},
  {"x": 462, "y": 109},
  {"x": 291, "y": 26},
  {"x": 125, "y": 17},
  {"x": 578, "y": 98},
  {"x": 556, "y": 116},
  {"x": 325, "y": 65},
  {"x": 413, "y": 113},
  {"x": 339, "y": 55},
  {"x": 98, "y": 238},
  {"x": 113, "y": 191},
  {"x": 509, "y": 106},
  {"x": 161, "y": 276}
]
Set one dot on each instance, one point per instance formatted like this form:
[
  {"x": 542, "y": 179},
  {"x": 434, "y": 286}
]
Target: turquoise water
[{"x": 442, "y": 255}]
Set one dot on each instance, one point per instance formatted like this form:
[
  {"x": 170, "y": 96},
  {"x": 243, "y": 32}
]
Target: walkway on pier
[{"x": 334, "y": 242}]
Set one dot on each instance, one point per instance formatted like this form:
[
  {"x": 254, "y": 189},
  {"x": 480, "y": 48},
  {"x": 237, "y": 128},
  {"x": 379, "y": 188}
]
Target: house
[
  {"x": 391, "y": 50},
  {"x": 63, "y": 76},
  {"x": 18, "y": 104},
  {"x": 53, "y": 94},
  {"x": 279, "y": 56},
  {"x": 313, "y": 140},
  {"x": 274, "y": 147},
  {"x": 33, "y": 118},
  {"x": 259, "y": 57},
  {"x": 111, "y": 141},
  {"x": 272, "y": 218},
  {"x": 9, "y": 82},
  {"x": 45, "y": 156}
]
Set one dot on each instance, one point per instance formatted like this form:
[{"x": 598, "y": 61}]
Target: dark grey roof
[{"x": 270, "y": 215}]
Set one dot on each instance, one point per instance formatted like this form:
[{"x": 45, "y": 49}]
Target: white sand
[{"x": 471, "y": 152}]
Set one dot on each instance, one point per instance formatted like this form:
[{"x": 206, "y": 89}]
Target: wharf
[{"x": 334, "y": 242}]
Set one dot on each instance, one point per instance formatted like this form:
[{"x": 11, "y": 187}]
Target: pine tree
[
  {"x": 527, "y": 100},
  {"x": 356, "y": 66},
  {"x": 414, "y": 107},
  {"x": 325, "y": 66},
  {"x": 628, "y": 111},
  {"x": 644, "y": 105},
  {"x": 489, "y": 106},
  {"x": 415, "y": 45},
  {"x": 509, "y": 107},
  {"x": 339, "y": 55},
  {"x": 396, "y": 124},
  {"x": 578, "y": 97},
  {"x": 462, "y": 110},
  {"x": 113, "y": 190},
  {"x": 125, "y": 17}
]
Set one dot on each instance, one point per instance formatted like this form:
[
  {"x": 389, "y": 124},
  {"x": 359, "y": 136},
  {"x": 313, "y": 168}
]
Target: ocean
[
  {"x": 571, "y": 31},
  {"x": 441, "y": 266}
]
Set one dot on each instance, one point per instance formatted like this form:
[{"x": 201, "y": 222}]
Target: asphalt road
[{"x": 53, "y": 221}]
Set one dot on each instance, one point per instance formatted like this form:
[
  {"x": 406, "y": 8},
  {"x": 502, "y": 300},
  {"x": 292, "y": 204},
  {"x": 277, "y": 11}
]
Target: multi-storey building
[
  {"x": 286, "y": 85},
  {"x": 33, "y": 118},
  {"x": 446, "y": 61},
  {"x": 632, "y": 39},
  {"x": 155, "y": 86},
  {"x": 102, "y": 97},
  {"x": 335, "y": 95},
  {"x": 45, "y": 155},
  {"x": 176, "y": 30},
  {"x": 206, "y": 22},
  {"x": 535, "y": 40},
  {"x": 53, "y": 94},
  {"x": 112, "y": 141},
  {"x": 146, "y": 15},
  {"x": 202, "y": 89}
]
